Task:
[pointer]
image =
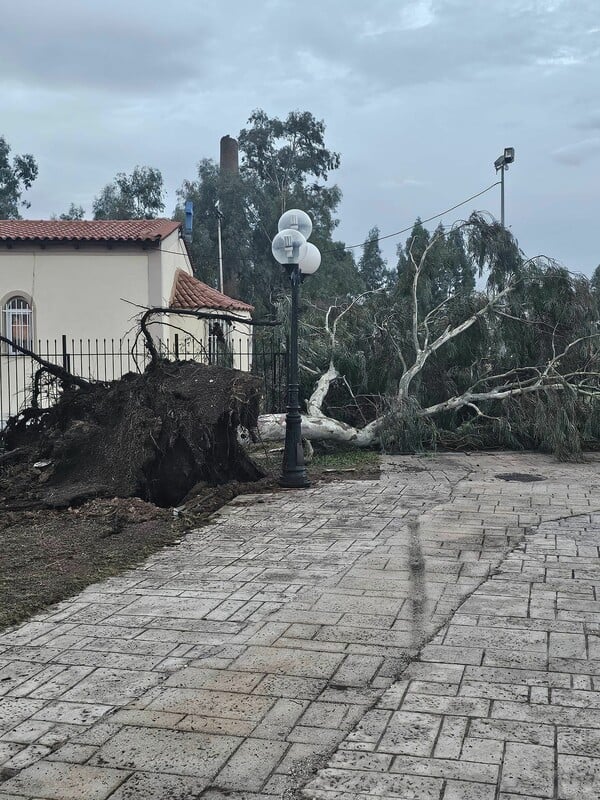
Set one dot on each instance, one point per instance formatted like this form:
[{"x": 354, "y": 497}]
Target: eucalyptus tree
[
  {"x": 283, "y": 164},
  {"x": 372, "y": 266},
  {"x": 16, "y": 175},
  {"x": 460, "y": 353},
  {"x": 139, "y": 195},
  {"x": 218, "y": 195},
  {"x": 74, "y": 212}
]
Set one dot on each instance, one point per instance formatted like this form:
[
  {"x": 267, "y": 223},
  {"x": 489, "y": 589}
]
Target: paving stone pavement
[{"x": 274, "y": 649}]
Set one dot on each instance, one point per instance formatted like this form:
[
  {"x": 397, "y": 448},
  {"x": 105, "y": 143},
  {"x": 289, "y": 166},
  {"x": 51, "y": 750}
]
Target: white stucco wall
[
  {"x": 77, "y": 292},
  {"x": 191, "y": 330},
  {"x": 162, "y": 267},
  {"x": 173, "y": 257},
  {"x": 241, "y": 342}
]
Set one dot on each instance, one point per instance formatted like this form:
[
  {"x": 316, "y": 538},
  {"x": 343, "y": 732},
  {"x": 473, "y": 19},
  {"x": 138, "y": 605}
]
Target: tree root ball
[{"x": 152, "y": 435}]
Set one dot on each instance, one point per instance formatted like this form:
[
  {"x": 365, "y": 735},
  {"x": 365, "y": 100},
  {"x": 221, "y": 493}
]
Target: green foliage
[
  {"x": 231, "y": 193},
  {"x": 337, "y": 279},
  {"x": 136, "y": 196},
  {"x": 284, "y": 164},
  {"x": 372, "y": 266},
  {"x": 74, "y": 212},
  {"x": 16, "y": 175},
  {"x": 559, "y": 423},
  {"x": 447, "y": 270},
  {"x": 405, "y": 431},
  {"x": 548, "y": 317},
  {"x": 545, "y": 314},
  {"x": 284, "y": 155},
  {"x": 493, "y": 249}
]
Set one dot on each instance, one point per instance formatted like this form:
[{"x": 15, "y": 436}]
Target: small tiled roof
[
  {"x": 189, "y": 292},
  {"x": 83, "y": 230}
]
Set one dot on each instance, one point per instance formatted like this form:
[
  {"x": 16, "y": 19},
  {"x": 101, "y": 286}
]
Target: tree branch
[
  {"x": 545, "y": 377},
  {"x": 415, "y": 285},
  {"x": 53, "y": 369},
  {"x": 452, "y": 333}
]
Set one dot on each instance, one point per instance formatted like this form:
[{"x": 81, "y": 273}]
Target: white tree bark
[
  {"x": 271, "y": 428},
  {"x": 314, "y": 404}
]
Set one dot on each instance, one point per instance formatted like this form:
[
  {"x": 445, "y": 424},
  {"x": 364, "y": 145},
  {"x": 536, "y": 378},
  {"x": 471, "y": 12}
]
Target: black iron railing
[{"x": 109, "y": 359}]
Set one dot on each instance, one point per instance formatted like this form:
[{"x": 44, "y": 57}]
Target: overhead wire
[
  {"x": 396, "y": 233},
  {"x": 429, "y": 219}
]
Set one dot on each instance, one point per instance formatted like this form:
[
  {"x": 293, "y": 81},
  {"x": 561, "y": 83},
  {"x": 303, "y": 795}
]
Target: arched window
[{"x": 18, "y": 322}]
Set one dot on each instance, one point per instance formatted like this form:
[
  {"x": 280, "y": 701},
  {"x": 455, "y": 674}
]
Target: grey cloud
[
  {"x": 144, "y": 46},
  {"x": 426, "y": 90},
  {"x": 579, "y": 152},
  {"x": 362, "y": 52},
  {"x": 591, "y": 122},
  {"x": 110, "y": 46}
]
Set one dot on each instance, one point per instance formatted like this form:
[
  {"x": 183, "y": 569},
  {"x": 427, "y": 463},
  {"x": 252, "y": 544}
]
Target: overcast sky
[{"x": 419, "y": 97}]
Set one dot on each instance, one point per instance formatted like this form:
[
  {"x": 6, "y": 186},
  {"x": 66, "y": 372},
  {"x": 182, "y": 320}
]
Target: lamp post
[
  {"x": 300, "y": 258},
  {"x": 501, "y": 163}
]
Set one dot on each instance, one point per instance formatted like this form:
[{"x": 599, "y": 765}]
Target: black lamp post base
[
  {"x": 294, "y": 480},
  {"x": 293, "y": 469}
]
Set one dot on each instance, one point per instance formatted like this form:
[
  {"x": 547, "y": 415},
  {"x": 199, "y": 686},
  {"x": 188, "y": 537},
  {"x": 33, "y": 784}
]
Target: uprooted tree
[
  {"x": 155, "y": 435},
  {"x": 516, "y": 362}
]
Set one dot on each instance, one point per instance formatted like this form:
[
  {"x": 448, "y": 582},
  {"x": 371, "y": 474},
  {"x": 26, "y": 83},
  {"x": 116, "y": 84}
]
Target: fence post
[
  {"x": 176, "y": 337},
  {"x": 66, "y": 358}
]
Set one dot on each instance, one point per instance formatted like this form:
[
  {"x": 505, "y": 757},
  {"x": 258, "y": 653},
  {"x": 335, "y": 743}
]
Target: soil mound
[{"x": 153, "y": 435}]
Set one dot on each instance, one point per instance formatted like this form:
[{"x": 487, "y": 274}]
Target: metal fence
[{"x": 109, "y": 359}]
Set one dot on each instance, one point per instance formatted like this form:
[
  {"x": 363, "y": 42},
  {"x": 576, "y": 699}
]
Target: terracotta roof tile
[
  {"x": 189, "y": 292},
  {"x": 79, "y": 230}
]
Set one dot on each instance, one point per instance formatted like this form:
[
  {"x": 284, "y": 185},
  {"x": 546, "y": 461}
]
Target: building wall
[
  {"x": 80, "y": 293},
  {"x": 191, "y": 330},
  {"x": 241, "y": 338},
  {"x": 162, "y": 267},
  {"x": 173, "y": 257}
]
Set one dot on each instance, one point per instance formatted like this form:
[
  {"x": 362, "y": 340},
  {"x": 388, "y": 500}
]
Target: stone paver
[
  {"x": 509, "y": 686},
  {"x": 276, "y": 646}
]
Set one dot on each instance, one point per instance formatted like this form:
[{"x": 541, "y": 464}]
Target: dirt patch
[{"x": 521, "y": 477}]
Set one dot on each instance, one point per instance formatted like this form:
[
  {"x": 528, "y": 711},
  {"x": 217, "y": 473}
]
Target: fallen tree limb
[
  {"x": 271, "y": 428},
  {"x": 53, "y": 369}
]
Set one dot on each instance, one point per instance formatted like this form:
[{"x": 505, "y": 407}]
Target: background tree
[
  {"x": 595, "y": 280},
  {"x": 136, "y": 196},
  {"x": 284, "y": 164},
  {"x": 16, "y": 175},
  {"x": 372, "y": 266},
  {"x": 214, "y": 193},
  {"x": 288, "y": 158},
  {"x": 73, "y": 212}
]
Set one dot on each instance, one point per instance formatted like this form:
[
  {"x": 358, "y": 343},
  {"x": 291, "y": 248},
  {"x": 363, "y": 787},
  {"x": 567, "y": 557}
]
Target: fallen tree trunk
[{"x": 271, "y": 428}]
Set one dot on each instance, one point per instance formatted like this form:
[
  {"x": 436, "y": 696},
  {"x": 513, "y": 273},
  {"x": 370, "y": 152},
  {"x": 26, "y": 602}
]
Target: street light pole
[
  {"x": 501, "y": 163},
  {"x": 293, "y": 474},
  {"x": 300, "y": 258},
  {"x": 502, "y": 194}
]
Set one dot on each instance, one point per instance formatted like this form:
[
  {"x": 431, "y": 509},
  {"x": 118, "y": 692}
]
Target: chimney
[{"x": 229, "y": 155}]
